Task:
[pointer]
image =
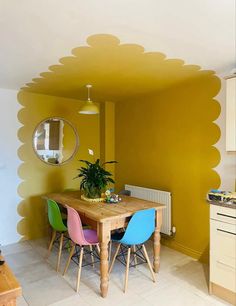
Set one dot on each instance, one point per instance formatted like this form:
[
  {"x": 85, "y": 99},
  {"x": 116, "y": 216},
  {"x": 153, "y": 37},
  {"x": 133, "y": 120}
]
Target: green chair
[{"x": 56, "y": 222}]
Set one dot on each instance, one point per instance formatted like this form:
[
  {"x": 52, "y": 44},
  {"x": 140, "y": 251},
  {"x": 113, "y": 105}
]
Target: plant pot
[
  {"x": 96, "y": 200},
  {"x": 92, "y": 193}
]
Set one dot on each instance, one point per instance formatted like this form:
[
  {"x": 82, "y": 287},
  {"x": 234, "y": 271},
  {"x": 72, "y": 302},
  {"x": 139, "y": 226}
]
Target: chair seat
[{"x": 90, "y": 236}]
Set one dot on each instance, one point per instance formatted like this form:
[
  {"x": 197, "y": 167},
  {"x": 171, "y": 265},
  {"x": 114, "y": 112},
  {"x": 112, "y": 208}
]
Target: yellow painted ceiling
[{"x": 115, "y": 70}]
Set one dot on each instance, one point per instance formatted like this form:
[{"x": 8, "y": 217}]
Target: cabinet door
[
  {"x": 222, "y": 274},
  {"x": 223, "y": 241},
  {"x": 224, "y": 214},
  {"x": 223, "y": 253}
]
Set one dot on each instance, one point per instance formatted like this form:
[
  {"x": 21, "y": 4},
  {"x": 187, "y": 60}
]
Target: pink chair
[{"x": 81, "y": 237}]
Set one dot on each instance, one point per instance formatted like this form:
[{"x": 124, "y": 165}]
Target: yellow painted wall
[
  {"x": 107, "y": 128},
  {"x": 39, "y": 178},
  {"x": 116, "y": 71},
  {"x": 165, "y": 142}
]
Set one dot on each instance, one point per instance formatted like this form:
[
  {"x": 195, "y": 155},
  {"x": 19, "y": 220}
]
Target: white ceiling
[{"x": 34, "y": 34}]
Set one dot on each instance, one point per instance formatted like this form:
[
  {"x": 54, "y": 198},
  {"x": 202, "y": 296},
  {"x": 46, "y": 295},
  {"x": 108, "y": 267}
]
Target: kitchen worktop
[{"x": 223, "y": 204}]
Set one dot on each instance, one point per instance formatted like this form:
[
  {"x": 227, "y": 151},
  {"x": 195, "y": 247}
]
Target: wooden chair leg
[
  {"x": 59, "y": 252},
  {"x": 110, "y": 248},
  {"x": 92, "y": 258},
  {"x": 72, "y": 250},
  {"x": 149, "y": 263},
  {"x": 114, "y": 258},
  {"x": 127, "y": 269},
  {"x": 135, "y": 257},
  {"x": 80, "y": 267},
  {"x": 54, "y": 233},
  {"x": 98, "y": 248}
]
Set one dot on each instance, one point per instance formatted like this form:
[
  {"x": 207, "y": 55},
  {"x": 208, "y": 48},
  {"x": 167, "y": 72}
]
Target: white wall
[
  {"x": 227, "y": 166},
  {"x": 9, "y": 163}
]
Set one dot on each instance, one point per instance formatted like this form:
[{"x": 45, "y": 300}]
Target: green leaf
[
  {"x": 85, "y": 161},
  {"x": 110, "y": 162},
  {"x": 94, "y": 178}
]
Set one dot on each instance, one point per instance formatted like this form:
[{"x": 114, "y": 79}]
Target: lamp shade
[{"x": 89, "y": 108}]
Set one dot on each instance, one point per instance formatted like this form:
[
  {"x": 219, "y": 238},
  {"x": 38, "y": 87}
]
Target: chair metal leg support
[
  {"x": 127, "y": 269},
  {"x": 80, "y": 267},
  {"x": 69, "y": 259},
  {"x": 149, "y": 263},
  {"x": 114, "y": 258}
]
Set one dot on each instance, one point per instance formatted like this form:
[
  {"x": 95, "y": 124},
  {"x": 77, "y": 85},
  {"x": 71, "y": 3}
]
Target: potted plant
[{"x": 94, "y": 179}]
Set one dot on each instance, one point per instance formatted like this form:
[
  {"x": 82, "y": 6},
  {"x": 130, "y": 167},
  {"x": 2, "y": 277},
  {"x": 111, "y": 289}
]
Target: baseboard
[
  {"x": 224, "y": 294},
  {"x": 181, "y": 248}
]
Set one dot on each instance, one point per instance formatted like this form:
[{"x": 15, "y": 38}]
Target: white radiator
[{"x": 162, "y": 197}]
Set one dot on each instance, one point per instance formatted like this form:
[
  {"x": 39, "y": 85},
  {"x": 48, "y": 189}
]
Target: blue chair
[{"x": 139, "y": 230}]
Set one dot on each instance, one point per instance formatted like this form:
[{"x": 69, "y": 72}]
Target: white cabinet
[
  {"x": 223, "y": 252},
  {"x": 231, "y": 114}
]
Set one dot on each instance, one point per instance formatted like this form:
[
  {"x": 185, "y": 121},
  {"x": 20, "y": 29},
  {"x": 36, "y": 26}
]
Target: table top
[
  {"x": 9, "y": 286},
  {"x": 102, "y": 212}
]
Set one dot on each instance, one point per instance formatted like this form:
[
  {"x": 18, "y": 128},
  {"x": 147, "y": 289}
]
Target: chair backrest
[
  {"x": 140, "y": 227},
  {"x": 54, "y": 216},
  {"x": 75, "y": 228}
]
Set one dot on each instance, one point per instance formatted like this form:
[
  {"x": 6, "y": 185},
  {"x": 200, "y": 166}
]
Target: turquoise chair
[
  {"x": 56, "y": 222},
  {"x": 139, "y": 230}
]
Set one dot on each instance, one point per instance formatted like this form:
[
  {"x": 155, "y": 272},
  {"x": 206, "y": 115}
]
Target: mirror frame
[{"x": 76, "y": 141}]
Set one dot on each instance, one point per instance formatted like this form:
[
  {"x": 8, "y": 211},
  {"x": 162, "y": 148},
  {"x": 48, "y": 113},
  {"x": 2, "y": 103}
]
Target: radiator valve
[{"x": 173, "y": 230}]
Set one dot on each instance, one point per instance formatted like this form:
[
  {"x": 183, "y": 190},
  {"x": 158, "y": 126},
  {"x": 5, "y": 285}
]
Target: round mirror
[{"x": 55, "y": 141}]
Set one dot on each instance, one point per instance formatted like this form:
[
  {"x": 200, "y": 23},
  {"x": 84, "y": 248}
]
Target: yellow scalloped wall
[
  {"x": 39, "y": 178},
  {"x": 166, "y": 142},
  {"x": 164, "y": 131},
  {"x": 116, "y": 71}
]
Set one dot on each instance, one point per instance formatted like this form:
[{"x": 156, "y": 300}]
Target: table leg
[
  {"x": 157, "y": 244},
  {"x": 104, "y": 238}
]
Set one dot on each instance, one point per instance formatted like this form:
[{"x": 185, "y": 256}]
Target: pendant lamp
[{"x": 89, "y": 108}]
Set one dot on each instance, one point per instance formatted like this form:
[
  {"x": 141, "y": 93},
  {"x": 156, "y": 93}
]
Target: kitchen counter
[
  {"x": 222, "y": 204},
  {"x": 223, "y": 251}
]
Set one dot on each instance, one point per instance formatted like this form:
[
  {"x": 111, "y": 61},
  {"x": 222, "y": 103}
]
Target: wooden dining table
[{"x": 105, "y": 218}]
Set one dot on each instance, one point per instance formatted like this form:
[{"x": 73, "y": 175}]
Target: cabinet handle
[
  {"x": 220, "y": 230},
  {"x": 219, "y": 214}
]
